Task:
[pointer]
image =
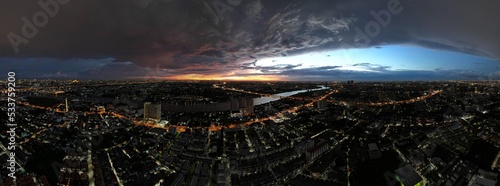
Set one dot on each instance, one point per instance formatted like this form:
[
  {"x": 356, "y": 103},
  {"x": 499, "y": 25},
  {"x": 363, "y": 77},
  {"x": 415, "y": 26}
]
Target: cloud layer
[{"x": 215, "y": 36}]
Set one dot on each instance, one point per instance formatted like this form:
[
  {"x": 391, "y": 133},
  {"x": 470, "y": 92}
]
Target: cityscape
[
  {"x": 250, "y": 133},
  {"x": 249, "y": 93}
]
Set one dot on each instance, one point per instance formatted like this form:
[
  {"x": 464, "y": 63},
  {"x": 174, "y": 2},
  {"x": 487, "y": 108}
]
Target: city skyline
[
  {"x": 250, "y": 92},
  {"x": 251, "y": 133}
]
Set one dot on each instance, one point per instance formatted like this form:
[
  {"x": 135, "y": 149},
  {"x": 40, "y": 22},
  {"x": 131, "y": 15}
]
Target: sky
[{"x": 289, "y": 40}]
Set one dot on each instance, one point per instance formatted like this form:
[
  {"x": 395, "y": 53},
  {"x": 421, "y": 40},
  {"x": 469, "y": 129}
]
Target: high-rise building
[
  {"x": 315, "y": 151},
  {"x": 249, "y": 106},
  {"x": 408, "y": 176},
  {"x": 243, "y": 105},
  {"x": 373, "y": 151},
  {"x": 152, "y": 111},
  {"x": 321, "y": 104},
  {"x": 66, "y": 109}
]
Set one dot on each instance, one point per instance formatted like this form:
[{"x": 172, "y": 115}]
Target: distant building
[
  {"x": 243, "y": 105},
  {"x": 66, "y": 109},
  {"x": 237, "y": 115},
  {"x": 221, "y": 174},
  {"x": 313, "y": 152},
  {"x": 322, "y": 104},
  {"x": 408, "y": 176},
  {"x": 303, "y": 146},
  {"x": 249, "y": 106},
  {"x": 172, "y": 130},
  {"x": 152, "y": 111},
  {"x": 268, "y": 107},
  {"x": 484, "y": 178},
  {"x": 374, "y": 151},
  {"x": 100, "y": 109}
]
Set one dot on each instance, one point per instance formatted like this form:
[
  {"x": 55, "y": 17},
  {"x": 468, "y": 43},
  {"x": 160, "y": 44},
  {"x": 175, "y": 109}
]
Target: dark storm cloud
[
  {"x": 190, "y": 34},
  {"x": 268, "y": 69},
  {"x": 51, "y": 68}
]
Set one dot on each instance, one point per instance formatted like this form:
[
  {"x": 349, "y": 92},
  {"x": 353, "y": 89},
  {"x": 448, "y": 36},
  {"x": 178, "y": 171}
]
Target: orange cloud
[{"x": 201, "y": 77}]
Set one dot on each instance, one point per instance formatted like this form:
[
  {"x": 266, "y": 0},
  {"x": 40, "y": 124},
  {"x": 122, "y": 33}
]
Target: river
[{"x": 275, "y": 97}]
